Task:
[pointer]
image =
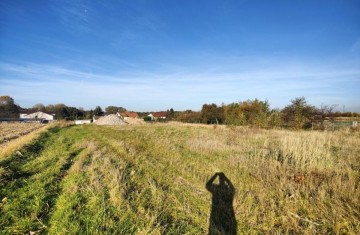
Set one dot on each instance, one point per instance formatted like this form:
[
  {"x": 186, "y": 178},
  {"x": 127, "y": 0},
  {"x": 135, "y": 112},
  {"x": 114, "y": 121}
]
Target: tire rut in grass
[
  {"x": 137, "y": 192},
  {"x": 32, "y": 182},
  {"x": 12, "y": 167},
  {"x": 51, "y": 198},
  {"x": 69, "y": 162},
  {"x": 88, "y": 202}
]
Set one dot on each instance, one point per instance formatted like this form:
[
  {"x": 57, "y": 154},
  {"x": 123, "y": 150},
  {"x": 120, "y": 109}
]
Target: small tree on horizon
[
  {"x": 211, "y": 113},
  {"x": 8, "y": 108},
  {"x": 98, "y": 111},
  {"x": 298, "y": 114},
  {"x": 114, "y": 109}
]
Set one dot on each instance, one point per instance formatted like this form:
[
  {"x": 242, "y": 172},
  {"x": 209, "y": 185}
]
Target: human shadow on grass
[{"x": 222, "y": 217}]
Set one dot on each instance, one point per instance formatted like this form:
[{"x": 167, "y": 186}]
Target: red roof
[
  {"x": 129, "y": 114},
  {"x": 159, "y": 114}
]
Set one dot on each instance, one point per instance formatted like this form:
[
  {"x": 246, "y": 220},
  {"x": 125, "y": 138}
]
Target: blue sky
[{"x": 148, "y": 55}]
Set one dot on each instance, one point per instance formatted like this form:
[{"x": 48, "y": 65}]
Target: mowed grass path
[{"x": 151, "y": 180}]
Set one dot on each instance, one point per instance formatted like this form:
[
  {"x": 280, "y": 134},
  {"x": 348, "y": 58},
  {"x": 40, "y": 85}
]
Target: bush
[{"x": 147, "y": 119}]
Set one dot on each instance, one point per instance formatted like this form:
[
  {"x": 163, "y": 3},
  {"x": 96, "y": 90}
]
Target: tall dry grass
[
  {"x": 302, "y": 182},
  {"x": 150, "y": 179}
]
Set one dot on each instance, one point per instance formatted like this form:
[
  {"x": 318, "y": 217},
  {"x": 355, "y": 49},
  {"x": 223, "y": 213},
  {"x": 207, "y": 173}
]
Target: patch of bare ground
[{"x": 10, "y": 131}]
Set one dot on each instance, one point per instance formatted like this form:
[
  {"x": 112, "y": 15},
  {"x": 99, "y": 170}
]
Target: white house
[
  {"x": 157, "y": 115},
  {"x": 38, "y": 115},
  {"x": 151, "y": 116},
  {"x": 85, "y": 121}
]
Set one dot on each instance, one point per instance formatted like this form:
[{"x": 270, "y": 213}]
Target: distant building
[
  {"x": 85, "y": 121},
  {"x": 161, "y": 115},
  {"x": 41, "y": 116},
  {"x": 127, "y": 114},
  {"x": 157, "y": 115}
]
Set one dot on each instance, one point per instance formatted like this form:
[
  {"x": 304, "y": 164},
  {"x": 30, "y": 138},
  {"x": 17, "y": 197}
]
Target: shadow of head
[{"x": 222, "y": 217}]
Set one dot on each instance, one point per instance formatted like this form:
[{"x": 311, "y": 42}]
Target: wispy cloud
[
  {"x": 153, "y": 55},
  {"x": 30, "y": 83},
  {"x": 74, "y": 14}
]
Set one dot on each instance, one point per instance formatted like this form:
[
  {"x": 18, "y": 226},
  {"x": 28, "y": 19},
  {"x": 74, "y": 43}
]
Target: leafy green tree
[
  {"x": 98, "y": 111},
  {"x": 74, "y": 113},
  {"x": 256, "y": 112},
  {"x": 59, "y": 110},
  {"x": 275, "y": 119},
  {"x": 170, "y": 114},
  {"x": 61, "y": 113},
  {"x": 147, "y": 119},
  {"x": 250, "y": 112},
  {"x": 211, "y": 113},
  {"x": 50, "y": 108},
  {"x": 89, "y": 114},
  {"x": 188, "y": 116},
  {"x": 114, "y": 109},
  {"x": 8, "y": 108},
  {"x": 39, "y": 107},
  {"x": 59, "y": 106},
  {"x": 234, "y": 115},
  {"x": 298, "y": 114}
]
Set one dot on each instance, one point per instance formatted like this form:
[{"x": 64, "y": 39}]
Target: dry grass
[
  {"x": 150, "y": 179},
  {"x": 304, "y": 182},
  {"x": 21, "y": 134},
  {"x": 10, "y": 131}
]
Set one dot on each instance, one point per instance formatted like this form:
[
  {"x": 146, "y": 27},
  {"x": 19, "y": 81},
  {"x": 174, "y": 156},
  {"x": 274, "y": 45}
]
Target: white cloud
[{"x": 34, "y": 83}]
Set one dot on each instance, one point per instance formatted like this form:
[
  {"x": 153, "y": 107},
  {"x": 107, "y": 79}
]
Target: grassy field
[{"x": 150, "y": 179}]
